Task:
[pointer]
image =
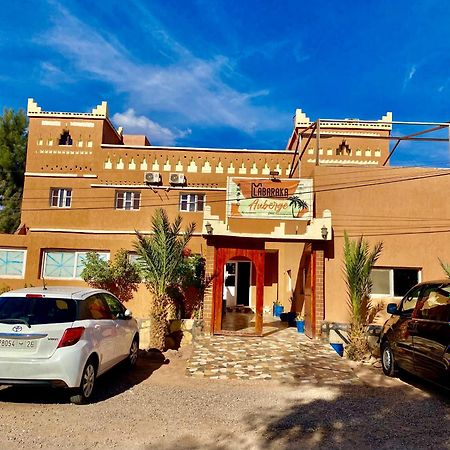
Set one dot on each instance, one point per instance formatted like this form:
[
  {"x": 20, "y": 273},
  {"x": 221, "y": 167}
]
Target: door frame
[{"x": 257, "y": 257}]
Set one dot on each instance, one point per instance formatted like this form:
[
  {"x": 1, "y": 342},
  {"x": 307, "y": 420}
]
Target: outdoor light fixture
[
  {"x": 209, "y": 228},
  {"x": 324, "y": 231},
  {"x": 274, "y": 174}
]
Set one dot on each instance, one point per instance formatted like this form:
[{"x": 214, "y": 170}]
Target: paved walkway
[{"x": 285, "y": 355}]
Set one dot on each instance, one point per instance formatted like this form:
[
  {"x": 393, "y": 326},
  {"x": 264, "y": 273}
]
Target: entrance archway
[{"x": 238, "y": 291}]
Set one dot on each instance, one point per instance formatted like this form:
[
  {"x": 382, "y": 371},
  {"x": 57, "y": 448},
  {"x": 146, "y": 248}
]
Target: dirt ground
[{"x": 156, "y": 407}]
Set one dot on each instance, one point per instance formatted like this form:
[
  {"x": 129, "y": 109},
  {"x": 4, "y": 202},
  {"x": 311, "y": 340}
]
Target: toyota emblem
[{"x": 17, "y": 328}]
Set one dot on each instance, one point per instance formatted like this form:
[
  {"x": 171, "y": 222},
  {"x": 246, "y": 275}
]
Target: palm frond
[
  {"x": 445, "y": 267},
  {"x": 358, "y": 263}
]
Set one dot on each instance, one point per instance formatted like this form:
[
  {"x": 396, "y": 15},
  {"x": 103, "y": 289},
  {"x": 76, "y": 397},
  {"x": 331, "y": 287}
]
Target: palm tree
[
  {"x": 445, "y": 267},
  {"x": 296, "y": 202},
  {"x": 160, "y": 257},
  {"x": 358, "y": 263}
]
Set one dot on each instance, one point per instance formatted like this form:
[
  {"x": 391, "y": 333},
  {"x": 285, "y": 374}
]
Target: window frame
[
  {"x": 24, "y": 262},
  {"x": 64, "y": 197},
  {"x": 192, "y": 201},
  {"x": 135, "y": 196},
  {"x": 76, "y": 253},
  {"x": 391, "y": 270}
]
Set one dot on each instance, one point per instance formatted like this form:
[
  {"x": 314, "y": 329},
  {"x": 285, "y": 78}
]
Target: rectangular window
[
  {"x": 12, "y": 263},
  {"x": 68, "y": 265},
  {"x": 60, "y": 197},
  {"x": 192, "y": 202},
  {"x": 393, "y": 282},
  {"x": 128, "y": 200}
]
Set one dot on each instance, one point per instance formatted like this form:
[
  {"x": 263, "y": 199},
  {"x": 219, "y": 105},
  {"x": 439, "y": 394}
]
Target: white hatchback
[{"x": 64, "y": 337}]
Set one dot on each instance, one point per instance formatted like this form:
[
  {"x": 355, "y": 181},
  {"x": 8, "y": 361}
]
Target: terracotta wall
[{"x": 405, "y": 208}]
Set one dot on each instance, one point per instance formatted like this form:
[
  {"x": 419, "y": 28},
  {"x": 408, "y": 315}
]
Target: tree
[
  {"x": 296, "y": 202},
  {"x": 13, "y": 144},
  {"x": 161, "y": 260},
  {"x": 119, "y": 276},
  {"x": 445, "y": 267},
  {"x": 359, "y": 260}
]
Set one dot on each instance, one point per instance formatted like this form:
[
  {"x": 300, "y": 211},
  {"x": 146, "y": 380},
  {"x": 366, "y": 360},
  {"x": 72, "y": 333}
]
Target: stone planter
[{"x": 183, "y": 332}]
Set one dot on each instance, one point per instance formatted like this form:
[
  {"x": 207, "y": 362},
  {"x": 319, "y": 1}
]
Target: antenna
[{"x": 44, "y": 285}]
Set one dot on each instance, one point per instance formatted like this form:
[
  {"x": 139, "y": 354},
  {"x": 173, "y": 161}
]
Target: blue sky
[{"x": 231, "y": 73}]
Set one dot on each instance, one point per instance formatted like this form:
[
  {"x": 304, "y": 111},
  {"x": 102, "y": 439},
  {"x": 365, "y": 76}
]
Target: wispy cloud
[
  {"x": 158, "y": 134},
  {"x": 194, "y": 91},
  {"x": 410, "y": 75}
]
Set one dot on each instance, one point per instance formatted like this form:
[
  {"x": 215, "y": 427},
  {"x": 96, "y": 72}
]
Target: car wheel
[
  {"x": 388, "y": 360},
  {"x": 84, "y": 392},
  {"x": 133, "y": 354}
]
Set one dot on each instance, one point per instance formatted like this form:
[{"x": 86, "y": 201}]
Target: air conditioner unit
[
  {"x": 152, "y": 177},
  {"x": 177, "y": 178}
]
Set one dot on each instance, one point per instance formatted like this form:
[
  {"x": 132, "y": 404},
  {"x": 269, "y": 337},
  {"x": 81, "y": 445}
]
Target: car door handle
[{"x": 412, "y": 327}]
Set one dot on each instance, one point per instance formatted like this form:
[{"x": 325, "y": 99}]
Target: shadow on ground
[
  {"x": 341, "y": 417},
  {"x": 112, "y": 383}
]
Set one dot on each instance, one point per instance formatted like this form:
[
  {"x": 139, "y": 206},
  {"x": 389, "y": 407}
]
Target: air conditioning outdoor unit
[
  {"x": 177, "y": 178},
  {"x": 152, "y": 177}
]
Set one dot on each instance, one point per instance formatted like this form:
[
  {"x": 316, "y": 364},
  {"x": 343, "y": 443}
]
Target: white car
[{"x": 64, "y": 337}]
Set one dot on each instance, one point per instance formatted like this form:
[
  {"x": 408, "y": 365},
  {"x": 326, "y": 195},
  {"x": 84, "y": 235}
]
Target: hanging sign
[{"x": 290, "y": 198}]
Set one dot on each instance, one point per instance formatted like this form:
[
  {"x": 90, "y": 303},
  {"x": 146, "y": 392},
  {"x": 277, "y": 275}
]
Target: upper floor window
[
  {"x": 60, "y": 197},
  {"x": 65, "y": 138},
  {"x": 128, "y": 200},
  {"x": 192, "y": 202}
]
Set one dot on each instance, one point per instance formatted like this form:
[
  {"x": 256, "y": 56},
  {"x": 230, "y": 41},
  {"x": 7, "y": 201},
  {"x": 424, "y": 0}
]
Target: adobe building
[{"x": 269, "y": 223}]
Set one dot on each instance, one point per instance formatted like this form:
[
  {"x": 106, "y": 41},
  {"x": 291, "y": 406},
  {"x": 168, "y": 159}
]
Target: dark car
[{"x": 417, "y": 336}]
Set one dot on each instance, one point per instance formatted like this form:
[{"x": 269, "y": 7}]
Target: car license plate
[{"x": 17, "y": 344}]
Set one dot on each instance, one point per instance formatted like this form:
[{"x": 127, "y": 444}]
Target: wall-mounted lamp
[
  {"x": 209, "y": 228},
  {"x": 274, "y": 174},
  {"x": 324, "y": 231}
]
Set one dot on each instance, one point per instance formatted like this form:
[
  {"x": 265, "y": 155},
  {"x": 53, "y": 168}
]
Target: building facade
[{"x": 269, "y": 223}]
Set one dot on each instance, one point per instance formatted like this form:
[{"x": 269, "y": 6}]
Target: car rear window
[
  {"x": 435, "y": 303},
  {"x": 37, "y": 311}
]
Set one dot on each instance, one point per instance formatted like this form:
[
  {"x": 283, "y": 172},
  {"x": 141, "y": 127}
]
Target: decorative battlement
[
  {"x": 385, "y": 123},
  {"x": 99, "y": 112}
]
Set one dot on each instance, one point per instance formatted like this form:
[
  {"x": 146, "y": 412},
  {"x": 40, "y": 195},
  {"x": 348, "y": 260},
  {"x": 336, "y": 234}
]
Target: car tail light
[
  {"x": 71, "y": 336},
  {"x": 34, "y": 296}
]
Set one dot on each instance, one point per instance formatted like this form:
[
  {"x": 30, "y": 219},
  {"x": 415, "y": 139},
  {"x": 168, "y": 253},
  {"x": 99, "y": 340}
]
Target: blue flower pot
[
  {"x": 338, "y": 348},
  {"x": 300, "y": 326},
  {"x": 277, "y": 310}
]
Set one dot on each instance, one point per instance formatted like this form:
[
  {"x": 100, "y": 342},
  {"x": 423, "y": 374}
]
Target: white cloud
[
  {"x": 191, "y": 89},
  {"x": 411, "y": 72},
  {"x": 410, "y": 75},
  {"x": 157, "y": 134}
]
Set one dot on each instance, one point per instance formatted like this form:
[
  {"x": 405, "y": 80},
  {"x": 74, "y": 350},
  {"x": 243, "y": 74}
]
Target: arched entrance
[{"x": 238, "y": 290}]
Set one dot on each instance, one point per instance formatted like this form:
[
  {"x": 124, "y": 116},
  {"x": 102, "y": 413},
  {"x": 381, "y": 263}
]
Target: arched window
[{"x": 65, "y": 138}]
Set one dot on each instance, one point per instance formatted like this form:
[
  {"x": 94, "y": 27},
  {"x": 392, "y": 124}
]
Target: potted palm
[{"x": 300, "y": 322}]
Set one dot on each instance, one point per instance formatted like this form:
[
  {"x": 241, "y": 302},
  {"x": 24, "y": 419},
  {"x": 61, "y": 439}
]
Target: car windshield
[{"x": 36, "y": 310}]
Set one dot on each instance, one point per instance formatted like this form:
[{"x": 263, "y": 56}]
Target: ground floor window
[
  {"x": 63, "y": 264},
  {"x": 394, "y": 282},
  {"x": 12, "y": 263}
]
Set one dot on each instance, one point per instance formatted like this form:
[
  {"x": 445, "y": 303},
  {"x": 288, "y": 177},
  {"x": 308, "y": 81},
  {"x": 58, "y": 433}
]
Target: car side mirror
[
  {"x": 127, "y": 314},
  {"x": 392, "y": 308}
]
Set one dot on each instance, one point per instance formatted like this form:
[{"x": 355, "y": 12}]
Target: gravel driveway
[{"x": 157, "y": 407}]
